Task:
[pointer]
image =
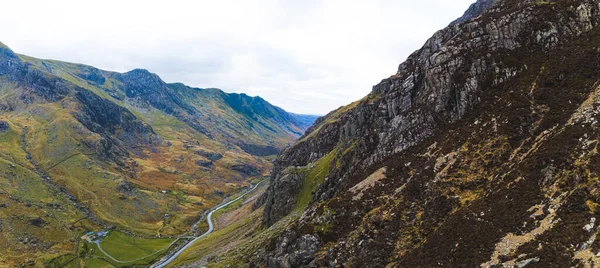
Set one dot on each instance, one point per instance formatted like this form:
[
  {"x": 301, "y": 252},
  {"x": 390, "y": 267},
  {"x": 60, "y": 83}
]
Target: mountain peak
[
  {"x": 141, "y": 73},
  {"x": 476, "y": 9},
  {"x": 145, "y": 78}
]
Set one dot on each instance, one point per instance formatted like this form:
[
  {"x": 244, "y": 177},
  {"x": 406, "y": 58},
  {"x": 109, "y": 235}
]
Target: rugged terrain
[
  {"x": 481, "y": 150},
  {"x": 83, "y": 149}
]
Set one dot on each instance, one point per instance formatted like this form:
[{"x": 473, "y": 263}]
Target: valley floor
[{"x": 119, "y": 249}]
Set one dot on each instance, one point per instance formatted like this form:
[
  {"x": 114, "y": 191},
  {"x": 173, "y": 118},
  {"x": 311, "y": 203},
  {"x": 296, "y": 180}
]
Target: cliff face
[{"x": 480, "y": 150}]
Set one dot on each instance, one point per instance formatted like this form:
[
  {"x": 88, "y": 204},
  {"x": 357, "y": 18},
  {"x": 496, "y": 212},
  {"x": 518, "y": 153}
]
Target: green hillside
[{"x": 84, "y": 149}]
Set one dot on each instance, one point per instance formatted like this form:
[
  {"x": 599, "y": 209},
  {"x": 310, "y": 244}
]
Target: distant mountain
[
  {"x": 83, "y": 147},
  {"x": 305, "y": 120}
]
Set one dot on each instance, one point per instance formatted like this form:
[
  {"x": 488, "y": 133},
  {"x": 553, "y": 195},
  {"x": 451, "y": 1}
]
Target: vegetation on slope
[
  {"x": 126, "y": 248},
  {"x": 84, "y": 151}
]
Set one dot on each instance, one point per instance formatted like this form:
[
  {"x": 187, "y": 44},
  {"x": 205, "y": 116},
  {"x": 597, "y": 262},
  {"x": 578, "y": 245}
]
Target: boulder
[{"x": 4, "y": 127}]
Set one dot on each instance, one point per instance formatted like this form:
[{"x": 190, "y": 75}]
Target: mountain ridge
[
  {"x": 480, "y": 151},
  {"x": 84, "y": 148}
]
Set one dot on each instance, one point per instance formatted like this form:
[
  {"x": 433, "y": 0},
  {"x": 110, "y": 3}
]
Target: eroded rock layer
[{"x": 480, "y": 151}]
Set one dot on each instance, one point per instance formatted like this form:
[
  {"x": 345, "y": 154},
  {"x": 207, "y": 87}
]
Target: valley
[
  {"x": 480, "y": 150},
  {"x": 84, "y": 149},
  {"x": 116, "y": 249}
]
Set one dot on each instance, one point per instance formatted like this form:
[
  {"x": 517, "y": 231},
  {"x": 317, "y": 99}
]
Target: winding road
[{"x": 210, "y": 229}]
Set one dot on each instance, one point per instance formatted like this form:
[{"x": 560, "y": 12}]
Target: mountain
[
  {"x": 305, "y": 120},
  {"x": 83, "y": 148},
  {"x": 480, "y": 151}
]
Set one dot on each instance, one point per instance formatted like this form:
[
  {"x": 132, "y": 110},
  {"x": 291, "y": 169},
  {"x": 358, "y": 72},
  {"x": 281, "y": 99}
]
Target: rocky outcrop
[
  {"x": 259, "y": 150},
  {"x": 283, "y": 195},
  {"x": 4, "y": 127},
  {"x": 145, "y": 87},
  {"x": 212, "y": 156},
  {"x": 302, "y": 247},
  {"x": 476, "y": 9},
  {"x": 246, "y": 169},
  {"x": 204, "y": 163},
  {"x": 39, "y": 85},
  {"x": 437, "y": 85},
  {"x": 105, "y": 117},
  {"x": 126, "y": 188},
  {"x": 94, "y": 76},
  {"x": 487, "y": 84},
  {"x": 117, "y": 125}
]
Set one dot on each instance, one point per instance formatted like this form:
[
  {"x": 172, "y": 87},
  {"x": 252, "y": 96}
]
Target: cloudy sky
[{"x": 306, "y": 56}]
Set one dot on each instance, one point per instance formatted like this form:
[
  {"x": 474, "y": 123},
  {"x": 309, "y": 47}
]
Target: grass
[
  {"x": 315, "y": 176},
  {"x": 11, "y": 147},
  {"x": 95, "y": 263},
  {"x": 220, "y": 239},
  {"x": 68, "y": 72},
  {"x": 229, "y": 236},
  {"x": 53, "y": 140},
  {"x": 120, "y": 246},
  {"x": 239, "y": 250},
  {"x": 247, "y": 236},
  {"x": 233, "y": 206},
  {"x": 65, "y": 151},
  {"x": 126, "y": 248},
  {"x": 25, "y": 197}
]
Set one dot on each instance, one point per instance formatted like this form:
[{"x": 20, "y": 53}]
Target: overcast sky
[{"x": 305, "y": 56}]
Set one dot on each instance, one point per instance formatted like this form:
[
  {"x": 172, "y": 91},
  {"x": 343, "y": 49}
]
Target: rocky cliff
[{"x": 480, "y": 150}]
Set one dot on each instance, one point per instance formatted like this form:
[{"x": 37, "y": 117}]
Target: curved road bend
[{"x": 210, "y": 229}]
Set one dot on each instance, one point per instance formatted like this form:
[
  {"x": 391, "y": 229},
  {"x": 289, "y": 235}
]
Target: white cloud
[{"x": 306, "y": 56}]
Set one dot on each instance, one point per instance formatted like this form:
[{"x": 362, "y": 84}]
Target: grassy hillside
[{"x": 84, "y": 149}]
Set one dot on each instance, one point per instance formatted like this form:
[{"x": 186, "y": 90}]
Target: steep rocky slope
[
  {"x": 482, "y": 150},
  {"x": 82, "y": 148}
]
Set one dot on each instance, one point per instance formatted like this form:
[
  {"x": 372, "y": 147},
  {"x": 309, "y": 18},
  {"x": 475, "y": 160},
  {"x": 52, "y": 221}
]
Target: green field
[
  {"x": 131, "y": 251},
  {"x": 96, "y": 263},
  {"x": 125, "y": 248}
]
